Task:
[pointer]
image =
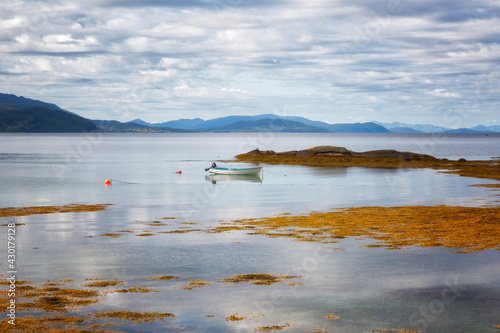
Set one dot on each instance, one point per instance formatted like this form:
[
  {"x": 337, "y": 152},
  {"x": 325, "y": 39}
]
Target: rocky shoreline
[{"x": 332, "y": 156}]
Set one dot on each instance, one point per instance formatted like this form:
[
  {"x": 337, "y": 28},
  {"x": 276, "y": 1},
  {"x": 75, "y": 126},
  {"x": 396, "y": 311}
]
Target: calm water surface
[{"x": 429, "y": 289}]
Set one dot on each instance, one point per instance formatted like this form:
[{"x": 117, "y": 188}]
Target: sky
[{"x": 340, "y": 61}]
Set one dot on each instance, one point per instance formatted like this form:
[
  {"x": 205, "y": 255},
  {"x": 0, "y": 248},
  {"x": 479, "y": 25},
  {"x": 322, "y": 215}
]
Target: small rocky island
[
  {"x": 332, "y": 156},
  {"x": 334, "y": 151}
]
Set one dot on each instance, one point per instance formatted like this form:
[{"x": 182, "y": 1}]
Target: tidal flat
[
  {"x": 459, "y": 229},
  {"x": 66, "y": 305}
]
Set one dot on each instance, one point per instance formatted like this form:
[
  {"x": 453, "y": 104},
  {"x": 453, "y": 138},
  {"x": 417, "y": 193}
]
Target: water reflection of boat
[
  {"x": 235, "y": 171},
  {"x": 249, "y": 178}
]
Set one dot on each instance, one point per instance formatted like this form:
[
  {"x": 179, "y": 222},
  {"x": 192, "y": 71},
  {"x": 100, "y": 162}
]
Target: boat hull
[{"x": 236, "y": 171}]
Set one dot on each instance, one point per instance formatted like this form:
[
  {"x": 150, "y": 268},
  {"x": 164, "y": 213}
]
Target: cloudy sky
[{"x": 418, "y": 61}]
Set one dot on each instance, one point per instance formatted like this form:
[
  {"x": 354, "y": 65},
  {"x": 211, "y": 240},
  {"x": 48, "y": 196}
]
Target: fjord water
[{"x": 421, "y": 289}]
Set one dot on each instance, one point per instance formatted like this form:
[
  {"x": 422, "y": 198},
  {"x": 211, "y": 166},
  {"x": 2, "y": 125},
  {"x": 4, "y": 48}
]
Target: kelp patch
[
  {"x": 52, "y": 297},
  {"x": 258, "y": 279},
  {"x": 461, "y": 229},
  {"x": 195, "y": 283},
  {"x": 103, "y": 284},
  {"x": 272, "y": 328},
  {"x": 136, "y": 317},
  {"x": 24, "y": 211}
]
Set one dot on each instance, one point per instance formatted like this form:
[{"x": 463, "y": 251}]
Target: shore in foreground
[{"x": 60, "y": 305}]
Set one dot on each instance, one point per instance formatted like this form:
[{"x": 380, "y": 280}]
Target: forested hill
[
  {"x": 41, "y": 119},
  {"x": 20, "y": 102}
]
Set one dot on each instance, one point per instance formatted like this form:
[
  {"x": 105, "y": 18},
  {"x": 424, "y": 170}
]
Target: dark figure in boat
[{"x": 213, "y": 166}]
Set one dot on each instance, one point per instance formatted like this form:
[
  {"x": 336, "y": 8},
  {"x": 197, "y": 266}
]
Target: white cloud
[
  {"x": 14, "y": 22},
  {"x": 442, "y": 93},
  {"x": 234, "y": 90},
  {"x": 174, "y": 31}
]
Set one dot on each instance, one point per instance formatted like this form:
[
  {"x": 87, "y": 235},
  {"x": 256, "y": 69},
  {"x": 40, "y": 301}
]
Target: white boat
[{"x": 235, "y": 171}]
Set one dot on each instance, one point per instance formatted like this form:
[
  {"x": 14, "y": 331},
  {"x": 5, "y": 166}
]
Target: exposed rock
[
  {"x": 257, "y": 151},
  {"x": 335, "y": 151},
  {"x": 407, "y": 156},
  {"x": 291, "y": 152},
  {"x": 325, "y": 151}
]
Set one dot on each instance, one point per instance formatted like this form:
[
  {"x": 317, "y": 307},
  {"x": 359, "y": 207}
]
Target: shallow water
[{"x": 369, "y": 288}]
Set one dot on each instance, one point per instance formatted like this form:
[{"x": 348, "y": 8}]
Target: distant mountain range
[
  {"x": 20, "y": 114},
  {"x": 397, "y": 127},
  {"x": 265, "y": 123},
  {"x": 275, "y": 123},
  {"x": 114, "y": 126}
]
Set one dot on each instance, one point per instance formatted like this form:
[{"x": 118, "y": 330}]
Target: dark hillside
[{"x": 42, "y": 120}]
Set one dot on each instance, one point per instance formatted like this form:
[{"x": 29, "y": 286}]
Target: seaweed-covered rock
[
  {"x": 325, "y": 151},
  {"x": 390, "y": 153},
  {"x": 334, "y": 151}
]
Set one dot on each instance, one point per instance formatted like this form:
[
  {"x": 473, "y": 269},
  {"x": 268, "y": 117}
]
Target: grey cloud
[
  {"x": 443, "y": 11},
  {"x": 296, "y": 55},
  {"x": 207, "y": 4},
  {"x": 60, "y": 54},
  {"x": 8, "y": 73}
]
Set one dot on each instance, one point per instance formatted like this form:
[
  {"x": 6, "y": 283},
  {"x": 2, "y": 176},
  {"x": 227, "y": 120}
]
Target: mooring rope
[{"x": 121, "y": 181}]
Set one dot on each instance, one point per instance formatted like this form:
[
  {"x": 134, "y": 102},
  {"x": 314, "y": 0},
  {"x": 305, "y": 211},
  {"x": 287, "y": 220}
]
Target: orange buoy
[
  {"x": 107, "y": 182},
  {"x": 179, "y": 172}
]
